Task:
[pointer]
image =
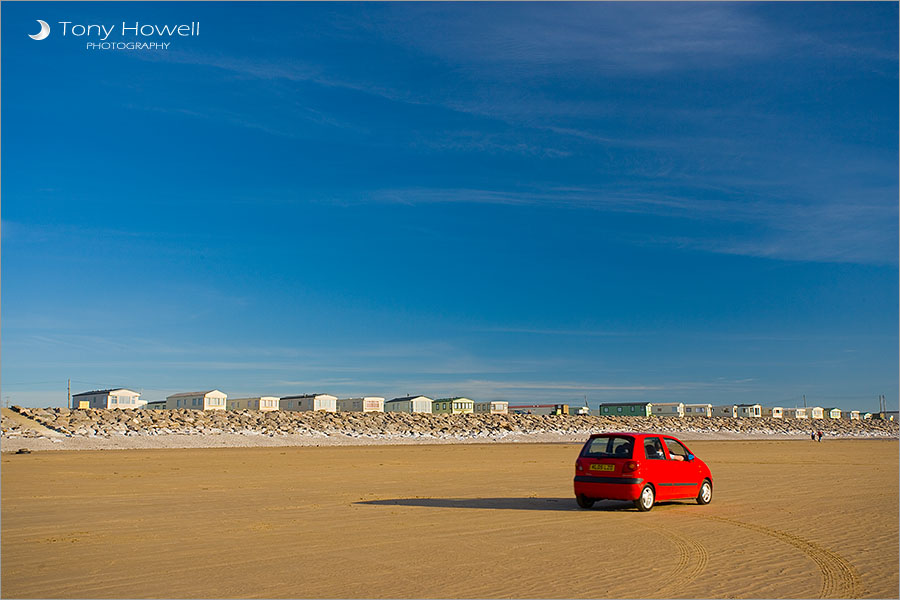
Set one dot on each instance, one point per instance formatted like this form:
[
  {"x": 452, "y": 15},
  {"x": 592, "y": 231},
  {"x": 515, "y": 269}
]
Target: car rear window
[{"x": 615, "y": 446}]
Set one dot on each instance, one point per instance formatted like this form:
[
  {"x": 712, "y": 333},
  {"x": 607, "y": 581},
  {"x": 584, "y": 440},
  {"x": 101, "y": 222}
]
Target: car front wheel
[
  {"x": 646, "y": 499},
  {"x": 705, "y": 494},
  {"x": 584, "y": 501}
]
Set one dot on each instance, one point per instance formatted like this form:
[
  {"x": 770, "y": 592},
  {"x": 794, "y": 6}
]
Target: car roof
[{"x": 633, "y": 434}]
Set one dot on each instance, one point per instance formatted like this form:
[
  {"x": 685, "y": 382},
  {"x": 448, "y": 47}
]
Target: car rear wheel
[
  {"x": 584, "y": 501},
  {"x": 646, "y": 499},
  {"x": 705, "y": 494}
]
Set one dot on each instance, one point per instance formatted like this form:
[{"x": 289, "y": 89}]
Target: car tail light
[
  {"x": 578, "y": 466},
  {"x": 631, "y": 466}
]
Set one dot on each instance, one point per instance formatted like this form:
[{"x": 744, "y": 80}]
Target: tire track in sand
[
  {"x": 839, "y": 577},
  {"x": 692, "y": 559}
]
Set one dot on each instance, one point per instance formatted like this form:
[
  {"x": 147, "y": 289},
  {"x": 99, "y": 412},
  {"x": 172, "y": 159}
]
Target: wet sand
[{"x": 789, "y": 519}]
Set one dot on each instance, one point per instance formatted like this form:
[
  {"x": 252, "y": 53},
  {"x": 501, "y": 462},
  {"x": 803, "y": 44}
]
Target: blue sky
[{"x": 530, "y": 202}]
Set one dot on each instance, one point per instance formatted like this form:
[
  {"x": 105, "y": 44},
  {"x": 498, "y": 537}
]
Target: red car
[{"x": 640, "y": 467}]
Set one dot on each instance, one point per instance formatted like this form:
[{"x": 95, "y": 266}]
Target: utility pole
[
  {"x": 804, "y": 400},
  {"x": 68, "y": 393}
]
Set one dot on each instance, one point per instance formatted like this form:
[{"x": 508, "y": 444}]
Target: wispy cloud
[
  {"x": 563, "y": 332},
  {"x": 835, "y": 229},
  {"x": 564, "y": 385},
  {"x": 505, "y": 60},
  {"x": 581, "y": 36}
]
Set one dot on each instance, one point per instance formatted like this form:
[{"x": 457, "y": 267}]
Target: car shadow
[{"x": 554, "y": 504}]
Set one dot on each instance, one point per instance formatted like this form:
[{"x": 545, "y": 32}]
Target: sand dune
[{"x": 789, "y": 519}]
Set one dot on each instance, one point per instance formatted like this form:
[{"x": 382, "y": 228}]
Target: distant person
[
  {"x": 819, "y": 434},
  {"x": 812, "y": 436}
]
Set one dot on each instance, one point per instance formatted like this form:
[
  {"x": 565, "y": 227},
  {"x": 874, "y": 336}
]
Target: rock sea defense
[{"x": 137, "y": 422}]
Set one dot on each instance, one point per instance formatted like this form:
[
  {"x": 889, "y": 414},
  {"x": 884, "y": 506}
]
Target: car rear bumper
[{"x": 610, "y": 488}]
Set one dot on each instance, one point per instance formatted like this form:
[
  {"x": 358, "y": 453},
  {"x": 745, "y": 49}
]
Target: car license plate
[{"x": 602, "y": 467}]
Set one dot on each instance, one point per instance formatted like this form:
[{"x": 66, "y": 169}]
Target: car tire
[
  {"x": 705, "y": 495},
  {"x": 646, "y": 500},
  {"x": 584, "y": 501}
]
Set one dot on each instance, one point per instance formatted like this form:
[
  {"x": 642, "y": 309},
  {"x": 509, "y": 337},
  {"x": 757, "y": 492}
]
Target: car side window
[
  {"x": 653, "y": 449},
  {"x": 676, "y": 450}
]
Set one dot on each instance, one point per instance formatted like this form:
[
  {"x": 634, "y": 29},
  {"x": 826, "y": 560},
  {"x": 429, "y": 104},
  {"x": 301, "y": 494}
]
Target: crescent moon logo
[{"x": 44, "y": 32}]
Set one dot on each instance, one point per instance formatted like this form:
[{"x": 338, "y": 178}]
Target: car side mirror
[{"x": 690, "y": 457}]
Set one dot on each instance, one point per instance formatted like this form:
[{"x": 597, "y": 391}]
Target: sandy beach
[{"x": 789, "y": 519}]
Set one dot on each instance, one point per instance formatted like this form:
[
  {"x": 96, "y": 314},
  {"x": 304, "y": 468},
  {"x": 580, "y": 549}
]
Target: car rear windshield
[{"x": 614, "y": 446}]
